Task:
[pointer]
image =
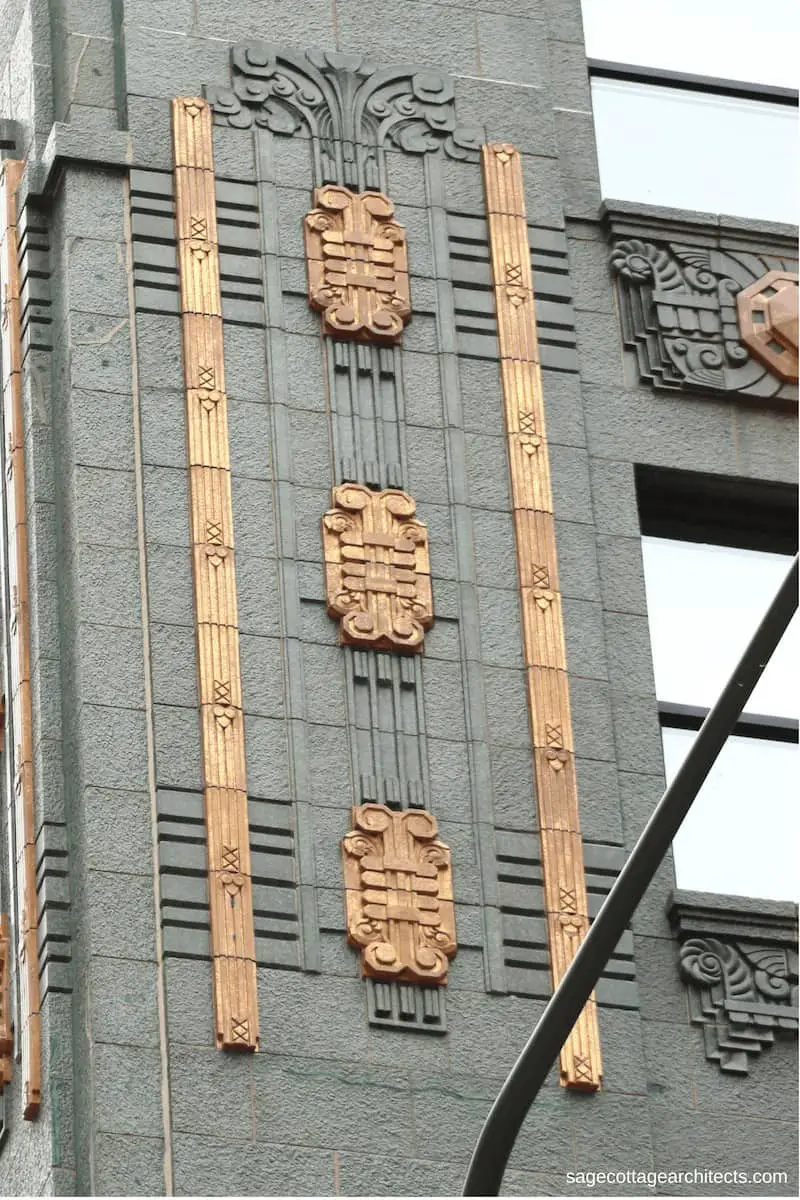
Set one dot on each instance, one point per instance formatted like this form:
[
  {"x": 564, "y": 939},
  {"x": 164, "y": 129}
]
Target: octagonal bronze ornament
[{"x": 768, "y": 321}]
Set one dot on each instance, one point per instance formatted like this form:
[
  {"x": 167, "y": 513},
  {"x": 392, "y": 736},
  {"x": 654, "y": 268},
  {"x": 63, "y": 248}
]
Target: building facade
[{"x": 348, "y": 429}]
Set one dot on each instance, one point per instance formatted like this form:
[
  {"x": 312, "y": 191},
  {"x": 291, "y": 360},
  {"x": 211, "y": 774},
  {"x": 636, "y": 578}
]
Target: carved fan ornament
[
  {"x": 377, "y": 569},
  {"x": 357, "y": 265},
  {"x": 352, "y": 108},
  {"x": 399, "y": 895}
]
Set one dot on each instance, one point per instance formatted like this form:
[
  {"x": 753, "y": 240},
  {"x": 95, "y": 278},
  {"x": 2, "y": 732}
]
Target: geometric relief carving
[
  {"x": 19, "y": 672},
  {"x": 357, "y": 265},
  {"x": 565, "y": 898},
  {"x": 377, "y": 569},
  {"x": 768, "y": 320},
  {"x": 214, "y": 578},
  {"x": 399, "y": 895},
  {"x": 352, "y": 108},
  {"x": 681, "y": 308},
  {"x": 743, "y": 996}
]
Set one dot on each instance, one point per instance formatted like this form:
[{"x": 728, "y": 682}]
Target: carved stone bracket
[
  {"x": 377, "y": 569},
  {"x": 352, "y": 108},
  {"x": 739, "y": 959},
  {"x": 357, "y": 265},
  {"x": 399, "y": 895},
  {"x": 679, "y": 314}
]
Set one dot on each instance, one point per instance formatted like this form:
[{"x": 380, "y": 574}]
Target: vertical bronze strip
[
  {"x": 20, "y": 643},
  {"x": 566, "y": 908},
  {"x": 216, "y": 620}
]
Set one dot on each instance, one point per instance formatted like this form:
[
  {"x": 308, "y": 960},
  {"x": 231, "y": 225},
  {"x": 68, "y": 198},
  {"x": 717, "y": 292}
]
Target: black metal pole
[{"x": 520, "y": 1089}]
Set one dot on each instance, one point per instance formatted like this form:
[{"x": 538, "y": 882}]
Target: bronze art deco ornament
[
  {"x": 399, "y": 895},
  {"x": 357, "y": 265},
  {"x": 377, "y": 569},
  {"x": 768, "y": 321}
]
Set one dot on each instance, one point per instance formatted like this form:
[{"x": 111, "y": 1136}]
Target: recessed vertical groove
[
  {"x": 20, "y": 703},
  {"x": 216, "y": 620},
  {"x": 566, "y": 905}
]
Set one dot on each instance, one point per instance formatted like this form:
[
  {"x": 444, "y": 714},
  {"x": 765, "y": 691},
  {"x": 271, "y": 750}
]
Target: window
[
  {"x": 705, "y": 596},
  {"x": 679, "y": 114}
]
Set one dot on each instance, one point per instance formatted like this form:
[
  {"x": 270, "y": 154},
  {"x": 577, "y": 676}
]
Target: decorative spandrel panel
[
  {"x": 680, "y": 314},
  {"x": 357, "y": 265},
  {"x": 399, "y": 895},
  {"x": 377, "y": 569},
  {"x": 769, "y": 324}
]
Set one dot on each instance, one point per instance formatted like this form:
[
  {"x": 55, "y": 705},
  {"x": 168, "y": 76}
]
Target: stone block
[
  {"x": 177, "y": 737},
  {"x": 159, "y": 352},
  {"x": 544, "y": 205},
  {"x": 164, "y": 64},
  {"x": 591, "y": 719},
  {"x": 166, "y": 508},
  {"x": 128, "y": 1165},
  {"x": 208, "y": 1088},
  {"x": 113, "y": 746},
  {"x": 611, "y": 1132},
  {"x": 249, "y": 439},
  {"x": 102, "y": 429},
  {"x": 189, "y": 1001},
  {"x": 173, "y": 665},
  {"x": 330, "y": 779},
  {"x": 444, "y": 699},
  {"x": 262, "y": 675},
  {"x": 578, "y": 576},
  {"x": 258, "y": 595},
  {"x": 577, "y": 152},
  {"x": 169, "y": 577},
  {"x": 569, "y": 472},
  {"x": 100, "y": 351},
  {"x": 267, "y": 758},
  {"x": 662, "y": 994},
  {"x": 589, "y": 272},
  {"x": 500, "y": 628},
  {"x": 248, "y": 19},
  {"x": 111, "y": 666},
  {"x": 568, "y": 76},
  {"x": 614, "y": 496},
  {"x": 599, "y": 801},
  {"x": 495, "y": 549},
  {"x": 325, "y": 690},
  {"x": 121, "y": 916},
  {"x": 583, "y": 631},
  {"x": 630, "y": 657},
  {"x": 622, "y": 574},
  {"x": 637, "y": 731},
  {"x": 449, "y": 772},
  {"x": 263, "y": 1169},
  {"x": 506, "y": 707},
  {"x": 124, "y": 1007},
  {"x": 94, "y": 204},
  {"x": 127, "y": 1090},
  {"x": 97, "y": 278},
  {"x": 681, "y": 1141},
  {"x": 563, "y": 408},
  {"x": 521, "y": 115},
  {"x": 362, "y": 1174},
  {"x": 105, "y": 506},
  {"x": 430, "y": 37},
  {"x": 512, "y": 48},
  {"x": 599, "y": 348},
  {"x": 117, "y": 827},
  {"x": 487, "y": 471}
]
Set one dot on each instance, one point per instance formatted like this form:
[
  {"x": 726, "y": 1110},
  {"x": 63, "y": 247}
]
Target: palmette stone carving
[
  {"x": 399, "y": 895},
  {"x": 743, "y": 996},
  {"x": 679, "y": 313},
  {"x": 357, "y": 265},
  {"x": 216, "y": 619},
  {"x": 565, "y": 899},
  {"x": 19, "y": 631},
  {"x": 351, "y": 107},
  {"x": 377, "y": 569},
  {"x": 768, "y": 320}
]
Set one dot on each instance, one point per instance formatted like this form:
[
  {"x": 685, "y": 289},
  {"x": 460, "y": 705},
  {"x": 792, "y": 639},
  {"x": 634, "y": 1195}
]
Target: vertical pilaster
[
  {"x": 566, "y": 907},
  {"x": 20, "y": 703},
  {"x": 216, "y": 619}
]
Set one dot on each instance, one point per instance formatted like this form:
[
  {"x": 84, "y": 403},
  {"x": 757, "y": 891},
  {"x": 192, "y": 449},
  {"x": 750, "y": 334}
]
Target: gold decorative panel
[
  {"x": 377, "y": 569},
  {"x": 399, "y": 895},
  {"x": 566, "y": 908},
  {"x": 768, "y": 321},
  {"x": 357, "y": 265},
  {"x": 20, "y": 641},
  {"x": 216, "y": 619}
]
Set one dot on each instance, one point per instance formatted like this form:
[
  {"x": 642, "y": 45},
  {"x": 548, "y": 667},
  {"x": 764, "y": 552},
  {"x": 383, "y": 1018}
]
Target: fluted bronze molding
[
  {"x": 566, "y": 908},
  {"x": 20, "y": 648},
  {"x": 216, "y": 620}
]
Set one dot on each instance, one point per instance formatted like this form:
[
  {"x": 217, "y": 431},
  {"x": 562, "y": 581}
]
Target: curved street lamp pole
[{"x": 520, "y": 1089}]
